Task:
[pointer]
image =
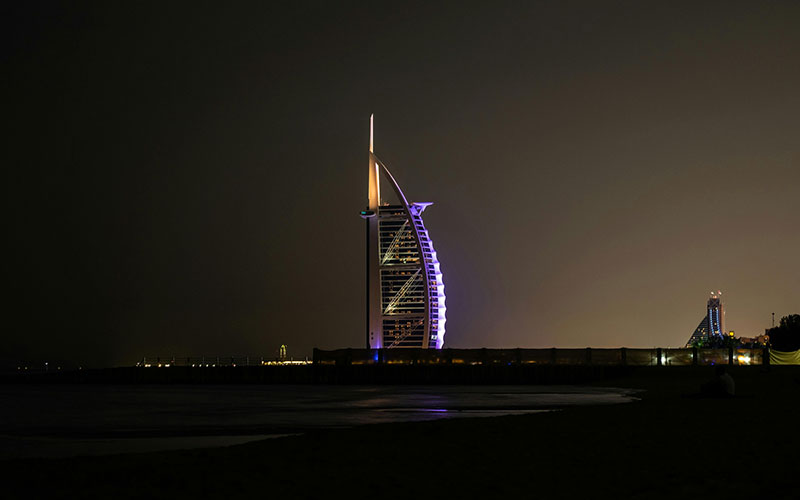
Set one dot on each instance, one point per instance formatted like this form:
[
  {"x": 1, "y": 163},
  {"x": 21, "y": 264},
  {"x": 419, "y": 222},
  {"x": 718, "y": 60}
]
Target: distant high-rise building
[
  {"x": 712, "y": 325},
  {"x": 405, "y": 293}
]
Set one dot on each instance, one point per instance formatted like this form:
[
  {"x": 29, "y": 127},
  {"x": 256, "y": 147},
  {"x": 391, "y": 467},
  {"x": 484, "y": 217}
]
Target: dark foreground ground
[{"x": 666, "y": 445}]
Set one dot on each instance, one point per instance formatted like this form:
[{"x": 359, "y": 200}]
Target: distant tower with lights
[
  {"x": 405, "y": 293},
  {"x": 713, "y": 324}
]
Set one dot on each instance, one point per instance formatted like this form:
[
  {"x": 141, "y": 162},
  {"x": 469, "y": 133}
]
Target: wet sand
[{"x": 665, "y": 445}]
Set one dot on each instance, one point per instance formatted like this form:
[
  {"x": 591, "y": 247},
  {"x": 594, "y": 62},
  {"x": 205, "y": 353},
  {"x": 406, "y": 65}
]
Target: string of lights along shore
[{"x": 405, "y": 291}]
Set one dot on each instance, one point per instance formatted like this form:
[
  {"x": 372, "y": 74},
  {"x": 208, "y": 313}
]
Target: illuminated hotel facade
[
  {"x": 713, "y": 324},
  {"x": 405, "y": 292}
]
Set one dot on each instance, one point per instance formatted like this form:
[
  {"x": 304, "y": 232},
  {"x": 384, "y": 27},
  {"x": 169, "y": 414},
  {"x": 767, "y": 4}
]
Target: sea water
[{"x": 72, "y": 420}]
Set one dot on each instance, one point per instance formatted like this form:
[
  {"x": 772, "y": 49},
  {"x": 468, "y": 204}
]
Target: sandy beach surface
[{"x": 665, "y": 445}]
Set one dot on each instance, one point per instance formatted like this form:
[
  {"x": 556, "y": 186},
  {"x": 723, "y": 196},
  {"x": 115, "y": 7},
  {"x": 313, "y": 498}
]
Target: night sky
[{"x": 187, "y": 179}]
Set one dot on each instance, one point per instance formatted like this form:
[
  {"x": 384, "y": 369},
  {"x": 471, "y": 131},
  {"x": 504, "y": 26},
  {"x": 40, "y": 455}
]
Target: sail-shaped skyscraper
[
  {"x": 405, "y": 292},
  {"x": 712, "y": 324}
]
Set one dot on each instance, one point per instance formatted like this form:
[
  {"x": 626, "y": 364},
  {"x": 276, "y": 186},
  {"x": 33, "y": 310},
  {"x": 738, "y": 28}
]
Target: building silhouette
[
  {"x": 713, "y": 324},
  {"x": 405, "y": 292}
]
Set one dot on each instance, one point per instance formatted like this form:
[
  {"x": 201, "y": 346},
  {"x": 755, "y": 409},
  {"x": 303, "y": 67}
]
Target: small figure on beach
[{"x": 721, "y": 386}]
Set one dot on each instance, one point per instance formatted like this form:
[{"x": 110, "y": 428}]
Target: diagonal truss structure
[
  {"x": 394, "y": 246},
  {"x": 405, "y": 292}
]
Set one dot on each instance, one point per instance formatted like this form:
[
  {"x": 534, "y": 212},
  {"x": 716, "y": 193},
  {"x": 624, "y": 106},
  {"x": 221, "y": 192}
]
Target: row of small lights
[
  {"x": 45, "y": 366},
  {"x": 742, "y": 358},
  {"x": 167, "y": 365}
]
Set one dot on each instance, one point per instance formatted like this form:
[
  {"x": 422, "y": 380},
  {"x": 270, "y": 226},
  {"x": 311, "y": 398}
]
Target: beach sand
[{"x": 664, "y": 445}]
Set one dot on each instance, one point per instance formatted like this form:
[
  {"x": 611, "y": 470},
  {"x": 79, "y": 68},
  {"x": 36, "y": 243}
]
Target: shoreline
[
  {"x": 376, "y": 374},
  {"x": 110, "y": 419},
  {"x": 661, "y": 445}
]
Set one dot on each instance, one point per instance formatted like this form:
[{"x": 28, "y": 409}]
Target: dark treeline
[{"x": 786, "y": 336}]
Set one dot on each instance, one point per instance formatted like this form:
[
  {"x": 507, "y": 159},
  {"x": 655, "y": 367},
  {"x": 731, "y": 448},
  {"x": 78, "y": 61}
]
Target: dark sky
[{"x": 187, "y": 179}]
